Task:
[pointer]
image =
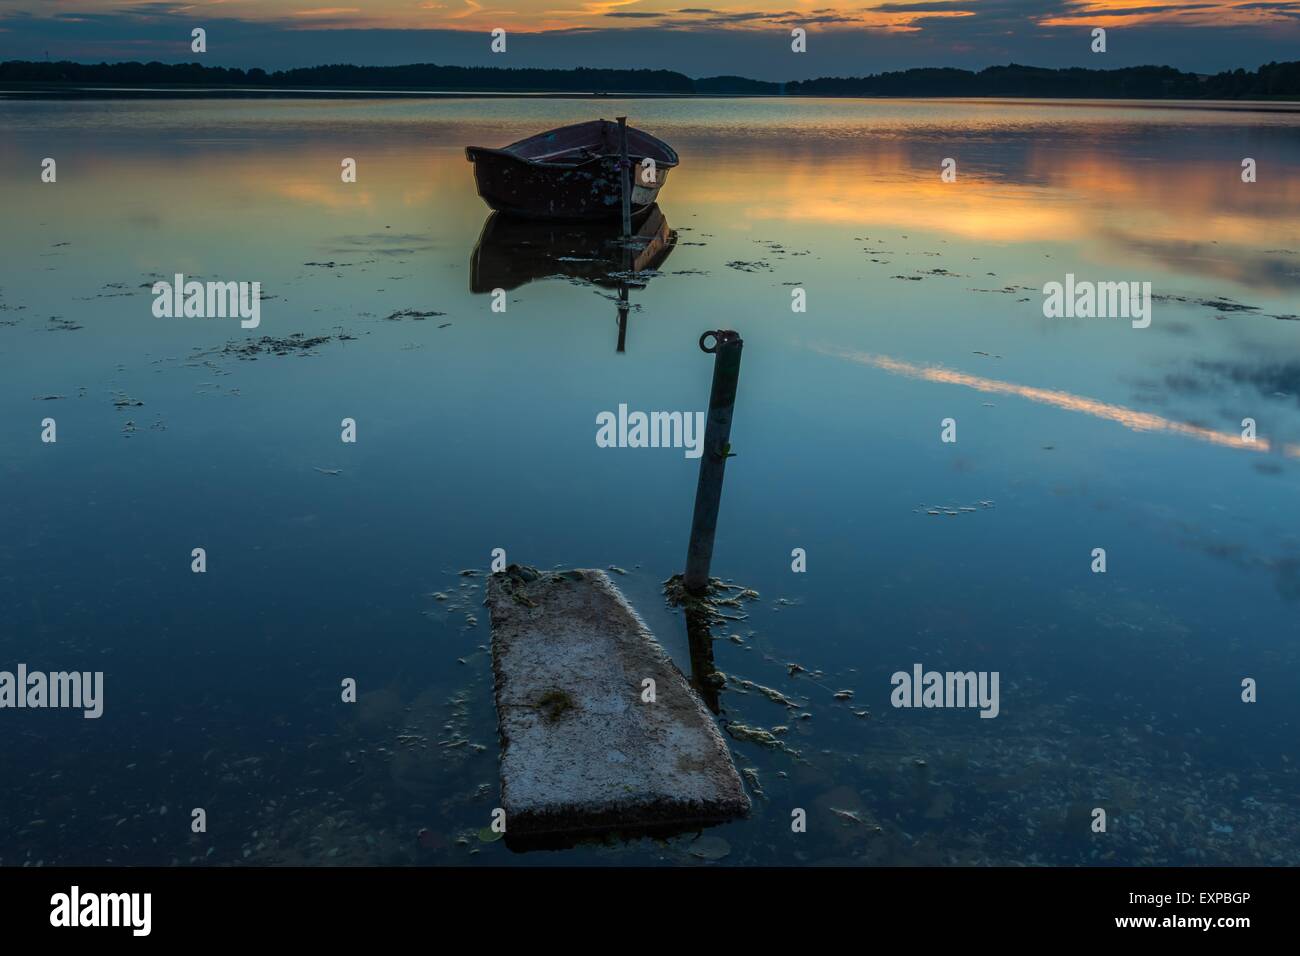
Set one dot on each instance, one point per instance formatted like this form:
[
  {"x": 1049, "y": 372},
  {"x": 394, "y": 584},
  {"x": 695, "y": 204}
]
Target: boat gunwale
[{"x": 511, "y": 150}]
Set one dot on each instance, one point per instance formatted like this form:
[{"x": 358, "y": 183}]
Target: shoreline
[{"x": 36, "y": 91}]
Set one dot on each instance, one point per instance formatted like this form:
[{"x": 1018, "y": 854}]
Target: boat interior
[{"x": 583, "y": 142}]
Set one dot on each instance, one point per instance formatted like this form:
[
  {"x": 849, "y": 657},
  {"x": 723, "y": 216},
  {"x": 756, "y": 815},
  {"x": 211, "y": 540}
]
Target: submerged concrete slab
[{"x": 580, "y": 750}]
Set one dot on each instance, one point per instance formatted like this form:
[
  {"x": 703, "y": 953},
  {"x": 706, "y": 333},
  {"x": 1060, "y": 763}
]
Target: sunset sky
[{"x": 726, "y": 36}]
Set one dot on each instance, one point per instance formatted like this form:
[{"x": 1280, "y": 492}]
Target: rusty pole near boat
[
  {"x": 715, "y": 451},
  {"x": 626, "y": 175}
]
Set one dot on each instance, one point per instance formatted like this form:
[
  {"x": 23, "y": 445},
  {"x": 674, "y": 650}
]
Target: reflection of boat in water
[
  {"x": 511, "y": 252},
  {"x": 571, "y": 173}
]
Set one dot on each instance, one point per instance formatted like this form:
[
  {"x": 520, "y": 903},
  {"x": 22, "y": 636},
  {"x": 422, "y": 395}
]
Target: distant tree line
[
  {"x": 428, "y": 76},
  {"x": 1273, "y": 80},
  {"x": 1133, "y": 82}
]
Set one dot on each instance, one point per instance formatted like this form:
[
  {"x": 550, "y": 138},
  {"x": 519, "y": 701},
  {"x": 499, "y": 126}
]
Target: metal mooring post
[
  {"x": 626, "y": 173},
  {"x": 623, "y": 306},
  {"x": 713, "y": 460}
]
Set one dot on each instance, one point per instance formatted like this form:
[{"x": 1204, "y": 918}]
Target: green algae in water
[
  {"x": 764, "y": 738},
  {"x": 716, "y": 596},
  {"x": 775, "y": 696},
  {"x": 753, "y": 735}
]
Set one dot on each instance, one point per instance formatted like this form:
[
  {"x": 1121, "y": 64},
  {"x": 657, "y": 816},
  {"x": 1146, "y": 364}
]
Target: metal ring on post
[{"x": 721, "y": 337}]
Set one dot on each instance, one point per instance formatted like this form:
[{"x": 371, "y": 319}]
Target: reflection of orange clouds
[
  {"x": 328, "y": 191},
  {"x": 1129, "y": 418},
  {"x": 307, "y": 176},
  {"x": 1186, "y": 216},
  {"x": 1184, "y": 189},
  {"x": 343, "y": 196},
  {"x": 1075, "y": 196},
  {"x": 333, "y": 193},
  {"x": 997, "y": 213},
  {"x": 880, "y": 189},
  {"x": 1177, "y": 200}
]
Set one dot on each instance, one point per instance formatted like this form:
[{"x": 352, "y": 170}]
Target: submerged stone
[{"x": 585, "y": 745}]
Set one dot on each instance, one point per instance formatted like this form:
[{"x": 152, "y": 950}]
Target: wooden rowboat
[{"x": 571, "y": 173}]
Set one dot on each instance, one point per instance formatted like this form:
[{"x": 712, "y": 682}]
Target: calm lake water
[{"x": 475, "y": 431}]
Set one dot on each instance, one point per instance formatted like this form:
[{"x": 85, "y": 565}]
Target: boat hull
[{"x": 586, "y": 192}]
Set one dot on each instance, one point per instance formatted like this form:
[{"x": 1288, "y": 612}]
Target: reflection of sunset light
[
  {"x": 999, "y": 214},
  {"x": 1129, "y": 418},
  {"x": 1151, "y": 211},
  {"x": 326, "y": 196},
  {"x": 1190, "y": 195},
  {"x": 865, "y": 190},
  {"x": 834, "y": 171}
]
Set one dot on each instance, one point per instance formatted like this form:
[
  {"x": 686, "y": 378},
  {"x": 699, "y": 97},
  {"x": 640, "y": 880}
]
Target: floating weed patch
[
  {"x": 412, "y": 314},
  {"x": 757, "y": 735},
  {"x": 709, "y": 605},
  {"x": 775, "y": 696},
  {"x": 295, "y": 344}
]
